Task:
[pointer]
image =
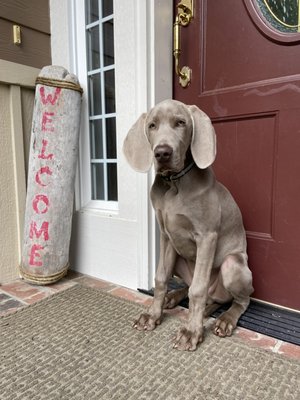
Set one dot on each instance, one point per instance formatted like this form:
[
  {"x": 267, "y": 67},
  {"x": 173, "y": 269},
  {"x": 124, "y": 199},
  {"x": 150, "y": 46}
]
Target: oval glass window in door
[{"x": 282, "y": 15}]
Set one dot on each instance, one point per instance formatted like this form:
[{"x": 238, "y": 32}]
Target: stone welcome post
[{"x": 51, "y": 176}]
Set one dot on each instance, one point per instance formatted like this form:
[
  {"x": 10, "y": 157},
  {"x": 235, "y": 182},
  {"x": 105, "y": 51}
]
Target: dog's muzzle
[{"x": 163, "y": 153}]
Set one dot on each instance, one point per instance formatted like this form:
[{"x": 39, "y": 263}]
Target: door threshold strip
[{"x": 259, "y": 317}]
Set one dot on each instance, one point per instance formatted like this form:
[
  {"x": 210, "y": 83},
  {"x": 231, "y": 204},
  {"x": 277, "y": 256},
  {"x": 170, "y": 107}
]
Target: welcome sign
[{"x": 51, "y": 176}]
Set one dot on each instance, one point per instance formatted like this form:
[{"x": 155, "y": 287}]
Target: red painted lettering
[
  {"x": 43, "y": 170},
  {"x": 42, "y": 154},
  {"x": 44, "y": 230},
  {"x": 37, "y": 200},
  {"x": 47, "y": 120},
  {"x": 34, "y": 254},
  {"x": 50, "y": 98}
]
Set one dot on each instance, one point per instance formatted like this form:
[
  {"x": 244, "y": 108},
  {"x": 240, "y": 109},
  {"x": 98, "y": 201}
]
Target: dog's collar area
[{"x": 175, "y": 177}]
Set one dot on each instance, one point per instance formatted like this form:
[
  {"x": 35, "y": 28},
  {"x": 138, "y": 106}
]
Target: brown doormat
[{"x": 79, "y": 344}]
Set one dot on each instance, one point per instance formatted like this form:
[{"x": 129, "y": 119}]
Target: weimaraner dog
[{"x": 202, "y": 237}]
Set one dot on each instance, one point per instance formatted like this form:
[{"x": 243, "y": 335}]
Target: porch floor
[{"x": 18, "y": 294}]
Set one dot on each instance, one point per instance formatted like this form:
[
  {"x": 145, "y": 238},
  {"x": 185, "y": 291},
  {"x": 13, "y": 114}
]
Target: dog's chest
[
  {"x": 180, "y": 230},
  {"x": 179, "y": 216}
]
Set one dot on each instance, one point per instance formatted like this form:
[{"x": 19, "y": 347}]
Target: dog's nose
[{"x": 163, "y": 153}]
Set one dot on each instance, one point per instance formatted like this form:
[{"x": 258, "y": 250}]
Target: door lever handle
[{"x": 183, "y": 18}]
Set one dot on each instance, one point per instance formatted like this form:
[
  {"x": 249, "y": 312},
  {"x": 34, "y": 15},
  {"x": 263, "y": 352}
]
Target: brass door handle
[{"x": 183, "y": 18}]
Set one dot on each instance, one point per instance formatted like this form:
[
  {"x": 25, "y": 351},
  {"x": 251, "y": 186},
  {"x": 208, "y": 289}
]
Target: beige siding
[
  {"x": 16, "y": 106},
  {"x": 27, "y": 101},
  {"x": 8, "y": 217}
]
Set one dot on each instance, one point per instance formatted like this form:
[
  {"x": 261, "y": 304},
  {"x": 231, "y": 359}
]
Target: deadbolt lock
[{"x": 185, "y": 11}]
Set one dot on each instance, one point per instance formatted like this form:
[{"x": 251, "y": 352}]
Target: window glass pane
[
  {"x": 96, "y": 139},
  {"x": 92, "y": 13},
  {"x": 283, "y": 15},
  {"x": 93, "y": 49},
  {"x": 108, "y": 45},
  {"x": 112, "y": 181},
  {"x": 107, "y": 7},
  {"x": 97, "y": 182},
  {"x": 111, "y": 138},
  {"x": 109, "y": 77},
  {"x": 95, "y": 94},
  {"x": 101, "y": 99}
]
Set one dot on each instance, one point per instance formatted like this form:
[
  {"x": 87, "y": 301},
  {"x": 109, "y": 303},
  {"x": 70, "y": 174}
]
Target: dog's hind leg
[
  {"x": 174, "y": 297},
  {"x": 237, "y": 281},
  {"x": 210, "y": 308},
  {"x": 183, "y": 271}
]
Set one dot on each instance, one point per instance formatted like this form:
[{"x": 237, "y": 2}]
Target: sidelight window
[{"x": 101, "y": 99}]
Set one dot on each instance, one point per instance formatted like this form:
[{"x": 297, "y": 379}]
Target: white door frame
[{"x": 143, "y": 52}]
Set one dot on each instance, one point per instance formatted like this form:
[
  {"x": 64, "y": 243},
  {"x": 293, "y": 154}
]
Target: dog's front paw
[
  {"x": 187, "y": 339},
  {"x": 146, "y": 322}
]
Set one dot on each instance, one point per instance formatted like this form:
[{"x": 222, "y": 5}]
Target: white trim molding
[{"x": 143, "y": 59}]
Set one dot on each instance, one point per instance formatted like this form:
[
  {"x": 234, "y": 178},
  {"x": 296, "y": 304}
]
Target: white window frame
[
  {"x": 143, "y": 51},
  {"x": 103, "y": 116},
  {"x": 80, "y": 60}
]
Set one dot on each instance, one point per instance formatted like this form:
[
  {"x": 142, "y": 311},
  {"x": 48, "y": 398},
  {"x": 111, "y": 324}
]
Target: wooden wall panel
[
  {"x": 8, "y": 212},
  {"x": 27, "y": 111},
  {"x": 17, "y": 87},
  {"x": 33, "y": 18},
  {"x": 33, "y": 13}
]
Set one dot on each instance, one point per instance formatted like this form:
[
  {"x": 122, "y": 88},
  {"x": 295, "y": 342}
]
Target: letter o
[{"x": 38, "y": 199}]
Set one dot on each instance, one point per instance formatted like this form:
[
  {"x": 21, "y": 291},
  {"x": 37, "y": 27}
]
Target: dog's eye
[
  {"x": 180, "y": 123},
  {"x": 152, "y": 125}
]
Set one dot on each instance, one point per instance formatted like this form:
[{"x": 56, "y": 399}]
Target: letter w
[{"x": 49, "y": 99}]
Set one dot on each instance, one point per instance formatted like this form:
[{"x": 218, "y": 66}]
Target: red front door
[{"x": 246, "y": 77}]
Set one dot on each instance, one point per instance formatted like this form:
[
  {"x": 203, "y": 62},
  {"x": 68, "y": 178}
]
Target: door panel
[
  {"x": 249, "y": 84},
  {"x": 254, "y": 191}
]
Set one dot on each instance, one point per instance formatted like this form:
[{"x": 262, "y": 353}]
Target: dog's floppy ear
[
  {"x": 136, "y": 147},
  {"x": 203, "y": 146}
]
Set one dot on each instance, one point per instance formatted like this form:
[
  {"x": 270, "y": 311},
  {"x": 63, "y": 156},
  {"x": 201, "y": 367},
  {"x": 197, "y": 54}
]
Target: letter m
[{"x": 34, "y": 232}]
